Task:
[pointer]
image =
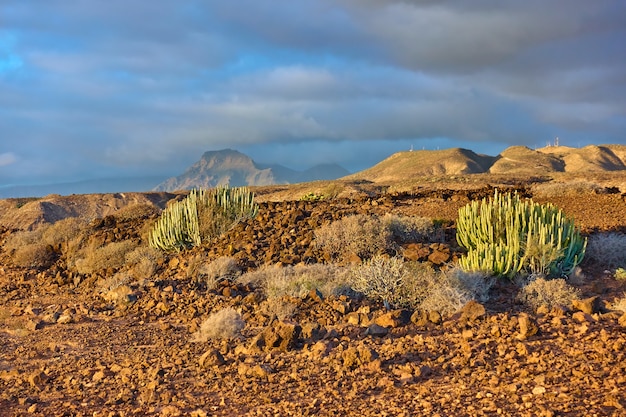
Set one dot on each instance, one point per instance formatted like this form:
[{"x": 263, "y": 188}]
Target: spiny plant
[
  {"x": 506, "y": 236},
  {"x": 201, "y": 216}
]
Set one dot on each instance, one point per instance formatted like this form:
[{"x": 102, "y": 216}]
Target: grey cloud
[{"x": 129, "y": 86}]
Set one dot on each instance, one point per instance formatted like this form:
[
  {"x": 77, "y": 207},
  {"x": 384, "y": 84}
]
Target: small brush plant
[{"x": 505, "y": 236}]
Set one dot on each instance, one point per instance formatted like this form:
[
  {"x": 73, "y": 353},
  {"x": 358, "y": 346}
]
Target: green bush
[
  {"x": 506, "y": 236},
  {"x": 201, "y": 216}
]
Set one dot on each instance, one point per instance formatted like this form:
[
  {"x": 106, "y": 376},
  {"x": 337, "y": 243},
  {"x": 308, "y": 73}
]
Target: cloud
[
  {"x": 124, "y": 87},
  {"x": 7, "y": 158}
]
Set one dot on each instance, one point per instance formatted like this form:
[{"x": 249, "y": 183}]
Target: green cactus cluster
[
  {"x": 203, "y": 214},
  {"x": 505, "y": 235}
]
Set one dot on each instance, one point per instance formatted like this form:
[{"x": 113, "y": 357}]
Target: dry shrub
[
  {"x": 224, "y": 267},
  {"x": 136, "y": 212},
  {"x": 548, "y": 292},
  {"x": 361, "y": 235},
  {"x": 39, "y": 248},
  {"x": 296, "y": 281},
  {"x": 620, "y": 303},
  {"x": 380, "y": 278},
  {"x": 20, "y": 239},
  {"x": 559, "y": 189},
  {"x": 409, "y": 229},
  {"x": 29, "y": 249},
  {"x": 450, "y": 290},
  {"x": 418, "y": 285},
  {"x": 607, "y": 249},
  {"x": 112, "y": 255},
  {"x": 281, "y": 308},
  {"x": 63, "y": 231},
  {"x": 35, "y": 255},
  {"x": 202, "y": 271},
  {"x": 142, "y": 262},
  {"x": 224, "y": 324}
]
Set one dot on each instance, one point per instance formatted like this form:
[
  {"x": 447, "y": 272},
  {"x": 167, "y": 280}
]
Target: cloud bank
[{"x": 117, "y": 88}]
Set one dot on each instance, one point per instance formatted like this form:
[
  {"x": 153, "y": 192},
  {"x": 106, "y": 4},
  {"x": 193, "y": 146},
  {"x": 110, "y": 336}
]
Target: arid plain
[{"x": 82, "y": 337}]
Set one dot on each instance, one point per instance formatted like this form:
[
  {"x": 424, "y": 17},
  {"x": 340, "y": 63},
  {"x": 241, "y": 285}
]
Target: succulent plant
[
  {"x": 181, "y": 223},
  {"x": 505, "y": 235}
]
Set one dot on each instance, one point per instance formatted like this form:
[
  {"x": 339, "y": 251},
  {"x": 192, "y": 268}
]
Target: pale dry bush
[
  {"x": 40, "y": 247},
  {"x": 361, "y": 235},
  {"x": 620, "y": 303},
  {"x": 136, "y": 212},
  {"x": 200, "y": 270},
  {"x": 296, "y": 281},
  {"x": 35, "y": 255},
  {"x": 112, "y": 255},
  {"x": 409, "y": 229},
  {"x": 223, "y": 324},
  {"x": 142, "y": 262},
  {"x": 547, "y": 292},
  {"x": 559, "y": 189},
  {"x": 607, "y": 249},
  {"x": 224, "y": 267},
  {"x": 445, "y": 291},
  {"x": 63, "y": 231},
  {"x": 29, "y": 249},
  {"x": 419, "y": 285},
  {"x": 380, "y": 278},
  {"x": 281, "y": 308}
]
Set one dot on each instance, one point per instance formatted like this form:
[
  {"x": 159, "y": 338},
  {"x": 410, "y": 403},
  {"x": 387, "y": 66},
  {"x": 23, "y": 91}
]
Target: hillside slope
[{"x": 402, "y": 165}]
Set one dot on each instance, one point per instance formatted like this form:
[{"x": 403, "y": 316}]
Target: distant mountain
[
  {"x": 518, "y": 160},
  {"x": 230, "y": 167}
]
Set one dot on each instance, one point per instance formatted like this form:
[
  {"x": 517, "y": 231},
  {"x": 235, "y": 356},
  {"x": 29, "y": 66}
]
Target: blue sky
[{"x": 116, "y": 88}]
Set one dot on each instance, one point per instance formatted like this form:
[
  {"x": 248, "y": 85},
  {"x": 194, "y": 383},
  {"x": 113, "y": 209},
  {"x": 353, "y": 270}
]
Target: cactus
[
  {"x": 185, "y": 223},
  {"x": 506, "y": 236}
]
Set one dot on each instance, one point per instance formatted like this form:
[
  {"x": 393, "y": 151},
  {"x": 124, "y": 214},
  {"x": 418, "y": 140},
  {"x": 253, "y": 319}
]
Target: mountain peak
[{"x": 231, "y": 167}]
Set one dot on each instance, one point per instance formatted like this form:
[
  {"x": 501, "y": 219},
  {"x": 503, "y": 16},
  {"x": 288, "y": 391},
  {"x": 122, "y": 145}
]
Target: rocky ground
[{"x": 69, "y": 349}]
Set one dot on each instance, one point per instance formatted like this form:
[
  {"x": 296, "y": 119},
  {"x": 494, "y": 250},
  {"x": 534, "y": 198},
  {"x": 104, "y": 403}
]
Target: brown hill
[
  {"x": 24, "y": 214},
  {"x": 409, "y": 164},
  {"x": 522, "y": 160},
  {"x": 589, "y": 158}
]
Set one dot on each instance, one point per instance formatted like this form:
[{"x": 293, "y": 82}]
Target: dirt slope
[
  {"x": 421, "y": 163},
  {"x": 588, "y": 159},
  {"x": 69, "y": 345}
]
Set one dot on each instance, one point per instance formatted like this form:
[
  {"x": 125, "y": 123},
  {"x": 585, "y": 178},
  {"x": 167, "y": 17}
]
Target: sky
[{"x": 116, "y": 88}]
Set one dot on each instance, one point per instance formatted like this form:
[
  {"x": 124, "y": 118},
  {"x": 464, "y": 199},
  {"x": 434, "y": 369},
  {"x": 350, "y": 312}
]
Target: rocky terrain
[{"x": 73, "y": 345}]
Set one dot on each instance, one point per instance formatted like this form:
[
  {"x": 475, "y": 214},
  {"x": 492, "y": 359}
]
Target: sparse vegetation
[
  {"x": 418, "y": 285},
  {"x": 407, "y": 229},
  {"x": 202, "y": 216},
  {"x": 142, "y": 262},
  {"x": 224, "y": 267},
  {"x": 359, "y": 235},
  {"x": 39, "y": 248},
  {"x": 620, "y": 303},
  {"x": 608, "y": 249},
  {"x": 506, "y": 236},
  {"x": 297, "y": 281},
  {"x": 226, "y": 323},
  {"x": 110, "y": 256},
  {"x": 548, "y": 292}
]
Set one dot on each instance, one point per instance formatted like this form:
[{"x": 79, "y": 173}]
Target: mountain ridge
[
  {"x": 231, "y": 167},
  {"x": 518, "y": 160}
]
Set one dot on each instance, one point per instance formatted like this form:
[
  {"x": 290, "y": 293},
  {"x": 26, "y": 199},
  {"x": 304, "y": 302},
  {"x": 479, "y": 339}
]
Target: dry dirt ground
[{"x": 67, "y": 349}]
